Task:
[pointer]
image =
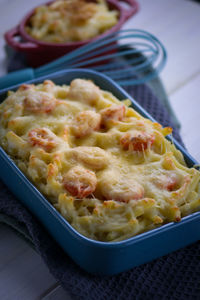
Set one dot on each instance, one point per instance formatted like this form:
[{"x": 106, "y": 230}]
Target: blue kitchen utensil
[{"x": 145, "y": 56}]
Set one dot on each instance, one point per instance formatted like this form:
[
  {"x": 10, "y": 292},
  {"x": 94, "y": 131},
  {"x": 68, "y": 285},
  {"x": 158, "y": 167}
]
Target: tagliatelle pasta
[
  {"x": 109, "y": 171},
  {"x": 71, "y": 20}
]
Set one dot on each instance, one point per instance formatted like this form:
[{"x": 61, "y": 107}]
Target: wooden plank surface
[
  {"x": 176, "y": 23},
  {"x": 23, "y": 275},
  {"x": 186, "y": 103}
]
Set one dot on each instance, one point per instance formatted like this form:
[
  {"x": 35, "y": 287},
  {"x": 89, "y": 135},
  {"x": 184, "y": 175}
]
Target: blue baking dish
[{"x": 99, "y": 257}]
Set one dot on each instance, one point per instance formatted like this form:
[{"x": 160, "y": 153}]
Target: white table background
[{"x": 176, "y": 23}]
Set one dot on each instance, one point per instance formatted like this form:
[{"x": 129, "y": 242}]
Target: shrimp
[
  {"x": 86, "y": 122},
  {"x": 42, "y": 137},
  {"x": 39, "y": 103},
  {"x": 114, "y": 113},
  {"x": 169, "y": 182},
  {"x": 93, "y": 157},
  {"x": 25, "y": 87},
  {"x": 84, "y": 91},
  {"x": 137, "y": 141},
  {"x": 80, "y": 182},
  {"x": 48, "y": 86},
  {"x": 120, "y": 187}
]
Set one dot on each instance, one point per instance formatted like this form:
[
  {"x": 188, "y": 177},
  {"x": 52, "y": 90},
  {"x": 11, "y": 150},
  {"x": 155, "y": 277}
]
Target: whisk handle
[
  {"x": 131, "y": 10},
  {"x": 16, "y": 77}
]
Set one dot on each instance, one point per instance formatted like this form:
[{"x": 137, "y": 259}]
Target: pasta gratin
[
  {"x": 109, "y": 171},
  {"x": 71, "y": 20}
]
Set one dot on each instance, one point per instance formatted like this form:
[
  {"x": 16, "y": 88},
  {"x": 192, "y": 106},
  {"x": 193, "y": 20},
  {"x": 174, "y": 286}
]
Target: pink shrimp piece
[
  {"x": 114, "y": 113},
  {"x": 84, "y": 91},
  {"x": 86, "y": 122},
  {"x": 136, "y": 192},
  {"x": 25, "y": 87},
  {"x": 80, "y": 182},
  {"x": 43, "y": 138},
  {"x": 170, "y": 182},
  {"x": 48, "y": 82},
  {"x": 120, "y": 187},
  {"x": 137, "y": 141},
  {"x": 39, "y": 103}
]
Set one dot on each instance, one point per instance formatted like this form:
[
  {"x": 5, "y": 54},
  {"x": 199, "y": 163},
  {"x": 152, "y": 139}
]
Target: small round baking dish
[{"x": 38, "y": 52}]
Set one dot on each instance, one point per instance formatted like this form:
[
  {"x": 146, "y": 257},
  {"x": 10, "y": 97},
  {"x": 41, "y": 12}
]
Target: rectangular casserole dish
[{"x": 99, "y": 257}]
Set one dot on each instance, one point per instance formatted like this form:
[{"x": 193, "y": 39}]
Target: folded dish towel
[{"x": 175, "y": 276}]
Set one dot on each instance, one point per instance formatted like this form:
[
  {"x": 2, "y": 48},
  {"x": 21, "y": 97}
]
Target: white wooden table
[{"x": 176, "y": 23}]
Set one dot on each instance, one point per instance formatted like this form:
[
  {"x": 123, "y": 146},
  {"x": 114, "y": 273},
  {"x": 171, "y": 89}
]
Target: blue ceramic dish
[{"x": 99, "y": 257}]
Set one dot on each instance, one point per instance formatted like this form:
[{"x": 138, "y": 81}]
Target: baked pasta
[
  {"x": 71, "y": 20},
  {"x": 109, "y": 171}
]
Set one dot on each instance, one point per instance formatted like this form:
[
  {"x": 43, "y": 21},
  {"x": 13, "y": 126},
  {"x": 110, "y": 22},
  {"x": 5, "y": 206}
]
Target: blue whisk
[{"x": 129, "y": 57}]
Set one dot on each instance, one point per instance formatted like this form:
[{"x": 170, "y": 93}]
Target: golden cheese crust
[
  {"x": 71, "y": 20},
  {"x": 110, "y": 172}
]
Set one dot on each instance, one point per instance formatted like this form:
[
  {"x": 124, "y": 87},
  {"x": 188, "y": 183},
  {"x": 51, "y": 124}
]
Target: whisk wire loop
[{"x": 142, "y": 53}]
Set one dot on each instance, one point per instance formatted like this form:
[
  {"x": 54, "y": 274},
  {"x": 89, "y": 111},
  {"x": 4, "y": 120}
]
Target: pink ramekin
[{"x": 38, "y": 52}]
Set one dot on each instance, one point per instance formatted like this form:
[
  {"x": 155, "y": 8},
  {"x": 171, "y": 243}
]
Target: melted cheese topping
[
  {"x": 110, "y": 172},
  {"x": 71, "y": 20}
]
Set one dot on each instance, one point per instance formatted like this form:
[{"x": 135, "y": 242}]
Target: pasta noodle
[
  {"x": 109, "y": 171},
  {"x": 71, "y": 20}
]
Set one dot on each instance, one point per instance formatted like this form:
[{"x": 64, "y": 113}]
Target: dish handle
[
  {"x": 10, "y": 37},
  {"x": 132, "y": 8}
]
